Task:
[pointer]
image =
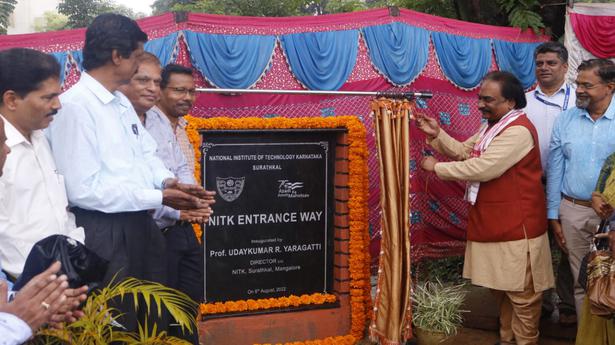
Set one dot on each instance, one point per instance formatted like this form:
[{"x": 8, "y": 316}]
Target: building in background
[{"x": 26, "y": 13}]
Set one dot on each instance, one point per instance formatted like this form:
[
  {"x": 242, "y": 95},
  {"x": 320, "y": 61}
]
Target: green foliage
[
  {"x": 523, "y": 14},
  {"x": 260, "y": 8},
  {"x": 442, "y": 8},
  {"x": 95, "y": 328},
  {"x": 341, "y": 6},
  {"x": 80, "y": 13},
  {"x": 123, "y": 10},
  {"x": 50, "y": 21},
  {"x": 257, "y": 8},
  {"x": 437, "y": 307},
  {"x": 520, "y": 13},
  {"x": 318, "y": 7},
  {"x": 6, "y": 9},
  {"x": 162, "y": 6}
]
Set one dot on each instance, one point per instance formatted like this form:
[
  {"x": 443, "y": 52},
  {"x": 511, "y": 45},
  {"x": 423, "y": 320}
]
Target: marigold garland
[
  {"x": 359, "y": 261},
  {"x": 341, "y": 340},
  {"x": 266, "y": 303}
]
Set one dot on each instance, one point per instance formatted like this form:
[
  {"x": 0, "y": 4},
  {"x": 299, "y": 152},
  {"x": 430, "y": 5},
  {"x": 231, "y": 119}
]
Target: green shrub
[{"x": 437, "y": 307}]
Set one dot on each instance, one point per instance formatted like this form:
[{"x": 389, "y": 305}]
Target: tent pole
[{"x": 406, "y": 95}]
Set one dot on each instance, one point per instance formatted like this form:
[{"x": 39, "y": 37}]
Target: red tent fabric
[{"x": 596, "y": 33}]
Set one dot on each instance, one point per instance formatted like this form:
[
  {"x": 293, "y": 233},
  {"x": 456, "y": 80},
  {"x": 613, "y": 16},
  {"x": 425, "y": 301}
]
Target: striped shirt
[{"x": 184, "y": 142}]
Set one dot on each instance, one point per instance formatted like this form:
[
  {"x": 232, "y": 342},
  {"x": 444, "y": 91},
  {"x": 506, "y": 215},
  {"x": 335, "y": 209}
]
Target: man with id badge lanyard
[
  {"x": 33, "y": 204},
  {"x": 544, "y": 104}
]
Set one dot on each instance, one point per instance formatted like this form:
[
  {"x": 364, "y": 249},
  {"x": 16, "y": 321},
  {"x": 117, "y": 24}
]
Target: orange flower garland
[
  {"x": 359, "y": 261},
  {"x": 341, "y": 340},
  {"x": 266, "y": 303}
]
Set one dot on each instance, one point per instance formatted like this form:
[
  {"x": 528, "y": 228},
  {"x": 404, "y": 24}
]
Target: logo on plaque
[
  {"x": 288, "y": 189},
  {"x": 230, "y": 188}
]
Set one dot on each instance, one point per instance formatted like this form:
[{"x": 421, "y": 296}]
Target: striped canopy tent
[{"x": 374, "y": 50}]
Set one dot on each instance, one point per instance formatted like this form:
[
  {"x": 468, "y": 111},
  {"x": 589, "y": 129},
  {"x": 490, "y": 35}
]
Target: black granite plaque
[{"x": 271, "y": 233}]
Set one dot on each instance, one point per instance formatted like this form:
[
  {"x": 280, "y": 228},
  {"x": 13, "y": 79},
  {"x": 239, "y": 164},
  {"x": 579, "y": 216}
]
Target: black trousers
[
  {"x": 185, "y": 269},
  {"x": 134, "y": 247}
]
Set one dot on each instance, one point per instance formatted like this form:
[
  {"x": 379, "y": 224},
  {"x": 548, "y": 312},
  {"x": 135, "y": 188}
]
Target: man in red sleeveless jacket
[{"x": 507, "y": 245}]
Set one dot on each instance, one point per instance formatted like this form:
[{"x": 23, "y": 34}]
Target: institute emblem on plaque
[{"x": 230, "y": 188}]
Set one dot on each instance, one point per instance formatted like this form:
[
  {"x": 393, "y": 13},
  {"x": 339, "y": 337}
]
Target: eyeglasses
[
  {"x": 183, "y": 90},
  {"x": 586, "y": 86}
]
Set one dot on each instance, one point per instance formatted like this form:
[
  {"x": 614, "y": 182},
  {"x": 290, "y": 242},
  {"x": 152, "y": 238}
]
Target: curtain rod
[{"x": 407, "y": 95}]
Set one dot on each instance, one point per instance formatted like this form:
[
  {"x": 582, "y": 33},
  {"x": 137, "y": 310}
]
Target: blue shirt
[
  {"x": 107, "y": 158},
  {"x": 579, "y": 146},
  {"x": 169, "y": 151}
]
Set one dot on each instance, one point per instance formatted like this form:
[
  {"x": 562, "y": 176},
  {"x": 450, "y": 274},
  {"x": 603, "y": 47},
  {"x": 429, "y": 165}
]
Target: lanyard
[{"x": 566, "y": 99}]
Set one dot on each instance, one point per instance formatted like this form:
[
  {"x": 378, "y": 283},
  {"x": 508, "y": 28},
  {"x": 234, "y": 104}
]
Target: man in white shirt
[
  {"x": 113, "y": 177},
  {"x": 184, "y": 252},
  {"x": 45, "y": 298},
  {"x": 544, "y": 104},
  {"x": 33, "y": 204}
]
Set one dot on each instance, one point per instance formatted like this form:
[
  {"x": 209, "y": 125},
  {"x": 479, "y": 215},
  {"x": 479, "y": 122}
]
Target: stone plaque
[{"x": 271, "y": 233}]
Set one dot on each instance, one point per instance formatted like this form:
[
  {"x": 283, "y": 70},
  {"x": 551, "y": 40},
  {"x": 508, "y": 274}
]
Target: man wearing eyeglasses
[
  {"x": 177, "y": 97},
  {"x": 113, "y": 176},
  {"x": 582, "y": 138},
  {"x": 544, "y": 104},
  {"x": 184, "y": 253}
]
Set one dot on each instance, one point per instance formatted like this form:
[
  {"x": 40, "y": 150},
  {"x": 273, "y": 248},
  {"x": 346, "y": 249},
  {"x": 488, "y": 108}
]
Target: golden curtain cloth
[{"x": 392, "y": 319}]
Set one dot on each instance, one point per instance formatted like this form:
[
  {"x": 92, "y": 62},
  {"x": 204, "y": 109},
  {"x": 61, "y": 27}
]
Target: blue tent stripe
[
  {"x": 162, "y": 47},
  {"x": 325, "y": 60},
  {"x": 62, "y": 58},
  {"x": 78, "y": 57},
  {"x": 464, "y": 61},
  {"x": 517, "y": 58},
  {"x": 322, "y": 60},
  {"x": 398, "y": 51},
  {"x": 230, "y": 61}
]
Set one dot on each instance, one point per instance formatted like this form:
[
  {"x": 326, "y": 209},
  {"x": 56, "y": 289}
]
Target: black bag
[{"x": 81, "y": 265}]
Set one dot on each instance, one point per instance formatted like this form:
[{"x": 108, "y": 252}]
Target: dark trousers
[
  {"x": 134, "y": 247},
  {"x": 564, "y": 286},
  {"x": 564, "y": 282},
  {"x": 185, "y": 269}
]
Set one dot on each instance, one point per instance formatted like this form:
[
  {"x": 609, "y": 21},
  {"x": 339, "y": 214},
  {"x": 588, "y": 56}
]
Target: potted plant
[
  {"x": 96, "y": 326},
  {"x": 437, "y": 311}
]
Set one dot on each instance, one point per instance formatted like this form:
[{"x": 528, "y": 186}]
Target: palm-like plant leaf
[
  {"x": 148, "y": 337},
  {"x": 95, "y": 327}
]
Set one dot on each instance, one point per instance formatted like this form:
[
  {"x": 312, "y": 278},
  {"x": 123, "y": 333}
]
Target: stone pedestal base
[{"x": 278, "y": 327}]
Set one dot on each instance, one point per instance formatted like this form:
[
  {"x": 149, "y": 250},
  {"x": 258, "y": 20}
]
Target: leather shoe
[
  {"x": 545, "y": 313},
  {"x": 567, "y": 319}
]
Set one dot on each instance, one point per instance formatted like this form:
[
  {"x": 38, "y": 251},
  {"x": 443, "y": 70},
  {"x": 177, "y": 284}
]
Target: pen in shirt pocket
[{"x": 59, "y": 177}]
